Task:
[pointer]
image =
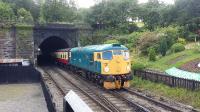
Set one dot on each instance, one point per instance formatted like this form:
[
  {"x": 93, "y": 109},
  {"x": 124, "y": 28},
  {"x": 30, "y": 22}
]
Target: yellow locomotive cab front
[
  {"x": 115, "y": 63},
  {"x": 116, "y": 67}
]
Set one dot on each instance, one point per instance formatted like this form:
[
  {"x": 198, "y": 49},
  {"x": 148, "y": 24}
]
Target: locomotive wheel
[
  {"x": 89, "y": 76},
  {"x": 93, "y": 78},
  {"x": 101, "y": 82}
]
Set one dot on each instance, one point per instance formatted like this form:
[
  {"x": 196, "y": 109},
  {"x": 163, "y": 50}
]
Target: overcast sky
[{"x": 89, "y": 3}]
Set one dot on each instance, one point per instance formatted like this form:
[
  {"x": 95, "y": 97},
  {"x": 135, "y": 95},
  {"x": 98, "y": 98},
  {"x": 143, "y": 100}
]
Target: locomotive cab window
[
  {"x": 117, "y": 52},
  {"x": 107, "y": 55},
  {"x": 98, "y": 56}
]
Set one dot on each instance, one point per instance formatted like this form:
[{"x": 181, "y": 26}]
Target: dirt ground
[
  {"x": 192, "y": 66},
  {"x": 22, "y": 98}
]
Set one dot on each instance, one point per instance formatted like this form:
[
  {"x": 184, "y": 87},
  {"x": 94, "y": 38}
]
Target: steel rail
[
  {"x": 86, "y": 93},
  {"x": 61, "y": 90},
  {"x": 137, "y": 107},
  {"x": 161, "y": 104}
]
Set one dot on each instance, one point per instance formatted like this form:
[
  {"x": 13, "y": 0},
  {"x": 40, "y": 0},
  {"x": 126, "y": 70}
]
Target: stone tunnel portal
[{"x": 47, "y": 47}]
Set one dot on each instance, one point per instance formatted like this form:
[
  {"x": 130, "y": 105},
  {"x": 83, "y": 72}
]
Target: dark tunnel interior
[{"x": 50, "y": 45}]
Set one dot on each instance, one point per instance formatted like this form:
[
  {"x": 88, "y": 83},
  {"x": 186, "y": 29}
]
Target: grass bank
[
  {"x": 168, "y": 61},
  {"x": 178, "y": 94}
]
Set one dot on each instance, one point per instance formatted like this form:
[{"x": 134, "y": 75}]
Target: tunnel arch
[{"x": 48, "y": 46}]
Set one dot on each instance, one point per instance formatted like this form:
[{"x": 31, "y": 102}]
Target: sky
[{"x": 89, "y": 3}]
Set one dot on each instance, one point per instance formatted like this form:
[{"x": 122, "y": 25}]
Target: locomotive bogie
[{"x": 116, "y": 84}]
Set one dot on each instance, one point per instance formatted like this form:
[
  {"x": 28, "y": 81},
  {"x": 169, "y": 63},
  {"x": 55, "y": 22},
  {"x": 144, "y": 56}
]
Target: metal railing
[{"x": 167, "y": 79}]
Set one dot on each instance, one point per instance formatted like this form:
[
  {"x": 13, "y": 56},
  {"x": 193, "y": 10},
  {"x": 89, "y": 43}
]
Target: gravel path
[{"x": 22, "y": 98}]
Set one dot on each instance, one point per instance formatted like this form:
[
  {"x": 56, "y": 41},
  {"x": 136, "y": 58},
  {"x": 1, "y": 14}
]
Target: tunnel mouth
[{"x": 47, "y": 47}]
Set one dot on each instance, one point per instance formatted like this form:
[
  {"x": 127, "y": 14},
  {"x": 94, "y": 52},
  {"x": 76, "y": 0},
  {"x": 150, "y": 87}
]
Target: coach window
[
  {"x": 98, "y": 56},
  {"x": 66, "y": 56}
]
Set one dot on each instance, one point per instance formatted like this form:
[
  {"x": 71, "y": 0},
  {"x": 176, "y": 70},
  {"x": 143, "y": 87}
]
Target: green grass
[
  {"x": 178, "y": 94},
  {"x": 166, "y": 62}
]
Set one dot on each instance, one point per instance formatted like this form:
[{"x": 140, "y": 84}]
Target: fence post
[
  {"x": 173, "y": 81},
  {"x": 193, "y": 85},
  {"x": 157, "y": 78},
  {"x": 145, "y": 74},
  {"x": 134, "y": 72}
]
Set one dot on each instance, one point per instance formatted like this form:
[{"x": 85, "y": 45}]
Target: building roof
[{"x": 183, "y": 74}]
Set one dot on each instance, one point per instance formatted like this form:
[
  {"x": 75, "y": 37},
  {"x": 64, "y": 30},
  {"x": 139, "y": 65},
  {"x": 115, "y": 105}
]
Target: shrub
[
  {"x": 191, "y": 36},
  {"x": 152, "y": 54},
  {"x": 171, "y": 33},
  {"x": 177, "y": 47},
  {"x": 147, "y": 40},
  {"x": 112, "y": 41},
  {"x": 133, "y": 38},
  {"x": 137, "y": 66},
  {"x": 197, "y": 49},
  {"x": 123, "y": 39},
  {"x": 181, "y": 40},
  {"x": 24, "y": 16}
]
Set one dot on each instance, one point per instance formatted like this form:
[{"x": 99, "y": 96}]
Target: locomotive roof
[
  {"x": 99, "y": 48},
  {"x": 63, "y": 50}
]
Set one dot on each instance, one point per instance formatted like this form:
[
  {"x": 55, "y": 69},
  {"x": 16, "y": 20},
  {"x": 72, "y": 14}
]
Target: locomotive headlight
[
  {"x": 128, "y": 68},
  {"x": 106, "y": 69}
]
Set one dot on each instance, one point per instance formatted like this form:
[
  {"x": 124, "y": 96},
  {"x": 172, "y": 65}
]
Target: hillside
[{"x": 179, "y": 60}]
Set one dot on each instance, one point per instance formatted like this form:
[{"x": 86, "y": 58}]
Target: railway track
[
  {"x": 139, "y": 101},
  {"x": 66, "y": 85},
  {"x": 55, "y": 91},
  {"x": 108, "y": 97},
  {"x": 154, "y": 105}
]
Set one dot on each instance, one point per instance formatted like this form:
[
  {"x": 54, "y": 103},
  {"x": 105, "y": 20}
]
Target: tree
[
  {"x": 163, "y": 47},
  {"x": 28, "y": 5},
  {"x": 41, "y": 19},
  {"x": 58, "y": 11},
  {"x": 112, "y": 14},
  {"x": 6, "y": 12},
  {"x": 150, "y": 13},
  {"x": 152, "y": 20},
  {"x": 193, "y": 25},
  {"x": 82, "y": 15},
  {"x": 183, "y": 11},
  {"x": 152, "y": 54},
  {"x": 24, "y": 16}
]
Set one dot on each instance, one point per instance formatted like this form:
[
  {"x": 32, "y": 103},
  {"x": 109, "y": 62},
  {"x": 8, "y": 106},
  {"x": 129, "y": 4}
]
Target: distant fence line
[{"x": 167, "y": 79}]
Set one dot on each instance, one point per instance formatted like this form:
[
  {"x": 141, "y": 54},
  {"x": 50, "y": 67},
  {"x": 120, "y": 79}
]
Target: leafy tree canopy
[{"x": 6, "y": 12}]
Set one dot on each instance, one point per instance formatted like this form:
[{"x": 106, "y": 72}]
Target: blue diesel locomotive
[{"x": 107, "y": 64}]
